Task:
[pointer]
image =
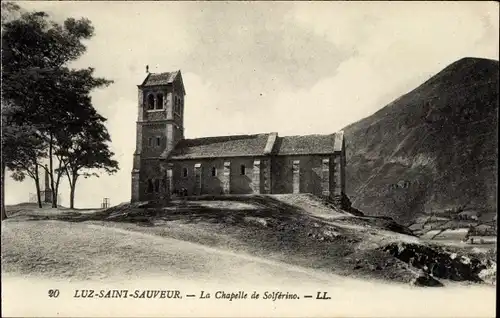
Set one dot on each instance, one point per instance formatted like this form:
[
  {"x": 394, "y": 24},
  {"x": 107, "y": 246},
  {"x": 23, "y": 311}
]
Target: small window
[
  {"x": 158, "y": 141},
  {"x": 242, "y": 170},
  {"x": 176, "y": 104},
  {"x": 157, "y": 185},
  {"x": 150, "y": 186},
  {"x": 184, "y": 172},
  {"x": 150, "y": 142},
  {"x": 214, "y": 171},
  {"x": 151, "y": 102},
  {"x": 159, "y": 101}
]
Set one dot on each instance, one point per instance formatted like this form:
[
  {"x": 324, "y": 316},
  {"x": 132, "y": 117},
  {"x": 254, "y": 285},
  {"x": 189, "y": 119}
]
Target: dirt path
[
  {"x": 89, "y": 252},
  {"x": 232, "y": 263},
  {"x": 42, "y": 255}
]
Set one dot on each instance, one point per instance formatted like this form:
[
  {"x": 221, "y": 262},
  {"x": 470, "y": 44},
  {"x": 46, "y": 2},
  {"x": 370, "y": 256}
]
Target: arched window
[
  {"x": 242, "y": 170},
  {"x": 214, "y": 171},
  {"x": 150, "y": 186},
  {"x": 151, "y": 102},
  {"x": 157, "y": 185},
  {"x": 158, "y": 141},
  {"x": 184, "y": 172},
  {"x": 159, "y": 101}
]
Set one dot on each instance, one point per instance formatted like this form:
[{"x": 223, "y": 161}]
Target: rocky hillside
[{"x": 432, "y": 149}]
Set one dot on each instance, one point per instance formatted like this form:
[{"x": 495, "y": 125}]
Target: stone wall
[
  {"x": 136, "y": 189},
  {"x": 309, "y": 176},
  {"x": 241, "y": 183},
  {"x": 337, "y": 176},
  {"x": 228, "y": 176},
  {"x": 153, "y": 131},
  {"x": 271, "y": 175},
  {"x": 150, "y": 170},
  {"x": 314, "y": 174}
]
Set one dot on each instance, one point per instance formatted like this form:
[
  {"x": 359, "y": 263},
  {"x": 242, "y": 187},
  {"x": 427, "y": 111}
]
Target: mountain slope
[{"x": 432, "y": 149}]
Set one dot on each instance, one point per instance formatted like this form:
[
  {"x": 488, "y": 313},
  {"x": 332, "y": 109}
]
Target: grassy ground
[
  {"x": 86, "y": 251},
  {"x": 291, "y": 244},
  {"x": 297, "y": 230}
]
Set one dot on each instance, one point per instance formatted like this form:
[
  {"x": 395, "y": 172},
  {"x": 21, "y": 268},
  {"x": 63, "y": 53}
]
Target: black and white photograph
[{"x": 249, "y": 158}]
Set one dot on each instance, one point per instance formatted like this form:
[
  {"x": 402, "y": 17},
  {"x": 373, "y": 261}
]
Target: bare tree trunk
[
  {"x": 37, "y": 185},
  {"x": 58, "y": 182},
  {"x": 72, "y": 185},
  {"x": 54, "y": 195},
  {"x": 71, "y": 188},
  {"x": 38, "y": 194},
  {"x": 4, "y": 215},
  {"x": 72, "y": 197},
  {"x": 51, "y": 173}
]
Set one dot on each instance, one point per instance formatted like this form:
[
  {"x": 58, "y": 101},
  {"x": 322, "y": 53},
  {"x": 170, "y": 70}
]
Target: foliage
[
  {"x": 86, "y": 151},
  {"x": 53, "y": 110},
  {"x": 20, "y": 144},
  {"x": 21, "y": 149}
]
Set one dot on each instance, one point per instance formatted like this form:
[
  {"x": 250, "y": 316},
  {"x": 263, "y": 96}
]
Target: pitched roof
[
  {"x": 160, "y": 78},
  {"x": 224, "y": 146},
  {"x": 309, "y": 144},
  {"x": 256, "y": 145}
]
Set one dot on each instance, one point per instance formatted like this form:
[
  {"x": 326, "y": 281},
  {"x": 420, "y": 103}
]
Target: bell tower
[{"x": 160, "y": 126}]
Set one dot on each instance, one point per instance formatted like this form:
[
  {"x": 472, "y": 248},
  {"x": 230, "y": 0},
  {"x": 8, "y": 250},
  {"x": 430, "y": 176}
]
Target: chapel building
[{"x": 166, "y": 164}]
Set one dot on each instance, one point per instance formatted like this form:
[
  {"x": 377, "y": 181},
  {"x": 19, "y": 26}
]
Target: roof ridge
[
  {"x": 165, "y": 72},
  {"x": 309, "y": 135},
  {"x": 227, "y": 136},
  {"x": 162, "y": 78}
]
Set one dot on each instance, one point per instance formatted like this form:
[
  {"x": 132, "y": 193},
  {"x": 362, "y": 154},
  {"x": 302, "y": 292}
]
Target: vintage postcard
[{"x": 249, "y": 159}]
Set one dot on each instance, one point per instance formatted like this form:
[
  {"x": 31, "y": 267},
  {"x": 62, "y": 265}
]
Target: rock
[
  {"x": 436, "y": 261},
  {"x": 342, "y": 202},
  {"x": 425, "y": 280},
  {"x": 489, "y": 274},
  {"x": 256, "y": 220}
]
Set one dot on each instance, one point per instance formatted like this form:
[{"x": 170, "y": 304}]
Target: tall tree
[
  {"x": 19, "y": 146},
  {"x": 10, "y": 134},
  {"x": 49, "y": 95},
  {"x": 85, "y": 152},
  {"x": 22, "y": 149}
]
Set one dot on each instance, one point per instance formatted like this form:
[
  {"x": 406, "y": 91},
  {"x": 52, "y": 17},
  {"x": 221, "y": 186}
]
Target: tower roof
[{"x": 165, "y": 78}]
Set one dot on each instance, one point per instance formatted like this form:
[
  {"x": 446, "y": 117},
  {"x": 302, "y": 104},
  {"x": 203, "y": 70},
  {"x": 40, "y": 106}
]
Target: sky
[{"x": 252, "y": 67}]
